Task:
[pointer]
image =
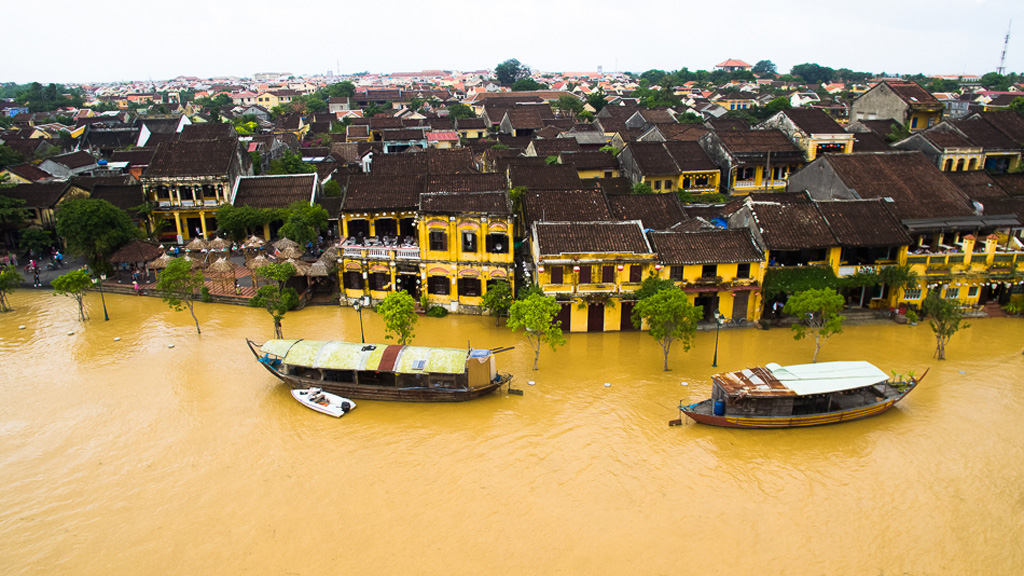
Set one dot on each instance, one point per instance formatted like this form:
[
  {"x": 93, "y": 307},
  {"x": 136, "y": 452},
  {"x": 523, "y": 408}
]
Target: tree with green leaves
[
  {"x": 340, "y": 89},
  {"x": 764, "y": 67},
  {"x": 73, "y": 285},
  {"x": 460, "y": 111},
  {"x": 596, "y": 99},
  {"x": 642, "y": 188},
  {"x": 12, "y": 211},
  {"x": 10, "y": 280},
  {"x": 9, "y": 156},
  {"x": 897, "y": 132},
  {"x": 537, "y": 315},
  {"x": 775, "y": 105},
  {"x": 399, "y": 312},
  {"x": 178, "y": 284},
  {"x": 238, "y": 221},
  {"x": 332, "y": 188},
  {"x": 276, "y": 299},
  {"x": 670, "y": 317},
  {"x": 510, "y": 71},
  {"x": 1017, "y": 105},
  {"x": 498, "y": 299},
  {"x": 527, "y": 85},
  {"x": 290, "y": 163},
  {"x": 304, "y": 222},
  {"x": 818, "y": 310},
  {"x": 946, "y": 318},
  {"x": 34, "y": 239},
  {"x": 813, "y": 73},
  {"x": 94, "y": 229},
  {"x": 568, "y": 104}
]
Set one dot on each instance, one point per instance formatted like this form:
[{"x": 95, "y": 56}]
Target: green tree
[
  {"x": 897, "y": 132},
  {"x": 946, "y": 318},
  {"x": 34, "y": 239},
  {"x": 178, "y": 285},
  {"x": 527, "y": 85},
  {"x": 340, "y": 89},
  {"x": 290, "y": 163},
  {"x": 642, "y": 188},
  {"x": 569, "y": 104},
  {"x": 764, "y": 67},
  {"x": 670, "y": 317},
  {"x": 399, "y": 312},
  {"x": 596, "y": 99},
  {"x": 460, "y": 111},
  {"x": 813, "y": 73},
  {"x": 73, "y": 285},
  {"x": 332, "y": 188},
  {"x": 238, "y": 221},
  {"x": 537, "y": 316},
  {"x": 304, "y": 222},
  {"x": 775, "y": 105},
  {"x": 498, "y": 300},
  {"x": 9, "y": 156},
  {"x": 10, "y": 280},
  {"x": 818, "y": 310},
  {"x": 510, "y": 71},
  {"x": 12, "y": 211},
  {"x": 1018, "y": 105},
  {"x": 94, "y": 229},
  {"x": 276, "y": 299}
]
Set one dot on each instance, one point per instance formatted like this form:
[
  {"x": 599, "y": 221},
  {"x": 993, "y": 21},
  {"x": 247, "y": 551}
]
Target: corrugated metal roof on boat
[{"x": 335, "y": 355}]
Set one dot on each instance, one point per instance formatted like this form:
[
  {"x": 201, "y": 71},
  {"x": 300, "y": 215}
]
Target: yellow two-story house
[
  {"x": 670, "y": 167},
  {"x": 811, "y": 130}
]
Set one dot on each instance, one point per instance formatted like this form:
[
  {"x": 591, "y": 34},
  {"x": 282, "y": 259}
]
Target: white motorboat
[{"x": 325, "y": 402}]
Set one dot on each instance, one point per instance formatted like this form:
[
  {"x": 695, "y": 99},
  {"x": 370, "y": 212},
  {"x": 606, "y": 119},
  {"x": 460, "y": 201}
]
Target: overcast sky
[{"x": 141, "y": 39}]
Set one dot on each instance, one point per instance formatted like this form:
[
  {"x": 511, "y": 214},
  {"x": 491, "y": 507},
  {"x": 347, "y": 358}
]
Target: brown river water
[{"x": 132, "y": 457}]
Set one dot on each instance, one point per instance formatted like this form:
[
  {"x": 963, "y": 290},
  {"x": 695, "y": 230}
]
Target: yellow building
[
  {"x": 754, "y": 160},
  {"x": 811, "y": 130},
  {"x": 591, "y": 267},
  {"x": 670, "y": 166},
  {"x": 971, "y": 270}
]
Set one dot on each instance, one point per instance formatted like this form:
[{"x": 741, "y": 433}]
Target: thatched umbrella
[
  {"x": 136, "y": 254},
  {"x": 319, "y": 269},
  {"x": 223, "y": 273},
  {"x": 290, "y": 253},
  {"x": 285, "y": 243},
  {"x": 252, "y": 246},
  {"x": 218, "y": 244},
  {"x": 332, "y": 254},
  {"x": 196, "y": 245},
  {"x": 301, "y": 268},
  {"x": 254, "y": 265},
  {"x": 160, "y": 263}
]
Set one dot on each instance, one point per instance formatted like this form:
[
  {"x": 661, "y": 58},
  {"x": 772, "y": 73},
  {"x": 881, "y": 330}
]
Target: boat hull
[
  {"x": 695, "y": 412},
  {"x": 331, "y": 404},
  {"x": 385, "y": 393}
]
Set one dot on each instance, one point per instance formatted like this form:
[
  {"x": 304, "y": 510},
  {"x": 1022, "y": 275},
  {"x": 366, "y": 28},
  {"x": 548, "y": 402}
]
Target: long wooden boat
[
  {"x": 382, "y": 371},
  {"x": 777, "y": 396}
]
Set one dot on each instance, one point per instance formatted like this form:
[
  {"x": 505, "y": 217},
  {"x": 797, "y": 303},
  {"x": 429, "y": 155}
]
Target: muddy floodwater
[{"x": 134, "y": 457}]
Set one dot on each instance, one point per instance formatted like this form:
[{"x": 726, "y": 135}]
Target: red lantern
[
  {"x": 540, "y": 269},
  {"x": 620, "y": 267},
  {"x": 657, "y": 266},
  {"x": 575, "y": 268}
]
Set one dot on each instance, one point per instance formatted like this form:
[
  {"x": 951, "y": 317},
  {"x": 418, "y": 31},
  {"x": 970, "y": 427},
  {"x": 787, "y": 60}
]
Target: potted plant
[{"x": 912, "y": 317}]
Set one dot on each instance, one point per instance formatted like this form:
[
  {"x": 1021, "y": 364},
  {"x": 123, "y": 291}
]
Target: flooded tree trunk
[{"x": 193, "y": 313}]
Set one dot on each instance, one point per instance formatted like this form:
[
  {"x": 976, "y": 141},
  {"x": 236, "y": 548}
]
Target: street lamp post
[
  {"x": 99, "y": 282},
  {"x": 359, "y": 308},
  {"x": 719, "y": 320}
]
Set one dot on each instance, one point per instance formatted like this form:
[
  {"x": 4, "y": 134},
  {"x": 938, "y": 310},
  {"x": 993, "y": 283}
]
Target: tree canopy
[
  {"x": 12, "y": 211},
  {"x": 510, "y": 71},
  {"x": 460, "y": 111},
  {"x": 818, "y": 311},
  {"x": 94, "y": 229},
  {"x": 399, "y": 312},
  {"x": 526, "y": 85},
  {"x": 10, "y": 280},
  {"x": 303, "y": 222},
  {"x": 537, "y": 316},
  {"x": 238, "y": 221},
  {"x": 945, "y": 317},
  {"x": 498, "y": 299},
  {"x": 764, "y": 67},
  {"x": 276, "y": 299},
  {"x": 9, "y": 156},
  {"x": 813, "y": 73},
  {"x": 178, "y": 284},
  {"x": 73, "y": 285},
  {"x": 670, "y": 317},
  {"x": 290, "y": 163}
]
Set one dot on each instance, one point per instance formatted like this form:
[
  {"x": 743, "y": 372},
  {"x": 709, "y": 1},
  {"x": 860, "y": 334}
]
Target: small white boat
[{"x": 317, "y": 399}]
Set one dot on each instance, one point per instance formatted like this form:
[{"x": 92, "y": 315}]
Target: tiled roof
[
  {"x": 127, "y": 197},
  {"x": 706, "y": 247},
  {"x": 554, "y": 146},
  {"x": 912, "y": 93},
  {"x": 653, "y": 158},
  {"x": 813, "y": 121},
  {"x": 470, "y": 123},
  {"x": 274, "y": 191},
  {"x": 689, "y": 156},
  {"x": 496, "y": 203},
  {"x": 984, "y": 134},
  {"x": 536, "y": 177},
  {"x": 620, "y": 185},
  {"x": 945, "y": 136},
  {"x": 134, "y": 157},
  {"x": 682, "y": 132},
  {"x": 918, "y": 188},
  {"x": 655, "y": 211},
  {"x": 208, "y": 131},
  {"x": 332, "y": 204},
  {"x": 869, "y": 142},
  {"x": 863, "y": 223},
  {"x": 657, "y": 116},
  {"x": 465, "y": 183},
  {"x": 403, "y": 134},
  {"x": 381, "y": 123},
  {"x": 756, "y": 141},
  {"x": 75, "y": 159},
  {"x": 29, "y": 172},
  {"x": 1012, "y": 184},
  {"x": 42, "y": 195},
  {"x": 558, "y": 238},
  {"x": 590, "y": 160},
  {"x": 1008, "y": 122},
  {"x": 978, "y": 185},
  {"x": 524, "y": 119},
  {"x": 454, "y": 161},
  {"x": 370, "y": 193},
  {"x": 192, "y": 158},
  {"x": 791, "y": 226},
  {"x": 578, "y": 205},
  {"x": 357, "y": 131}
]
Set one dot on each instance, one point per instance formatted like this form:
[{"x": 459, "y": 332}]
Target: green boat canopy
[{"x": 336, "y": 355}]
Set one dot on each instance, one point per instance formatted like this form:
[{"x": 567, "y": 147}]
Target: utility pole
[{"x": 1002, "y": 59}]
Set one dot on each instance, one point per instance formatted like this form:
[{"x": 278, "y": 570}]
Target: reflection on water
[{"x": 134, "y": 457}]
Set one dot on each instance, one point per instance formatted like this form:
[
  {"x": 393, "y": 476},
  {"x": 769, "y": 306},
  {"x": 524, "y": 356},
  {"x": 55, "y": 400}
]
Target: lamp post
[
  {"x": 359, "y": 308},
  {"x": 719, "y": 320},
  {"x": 99, "y": 282}
]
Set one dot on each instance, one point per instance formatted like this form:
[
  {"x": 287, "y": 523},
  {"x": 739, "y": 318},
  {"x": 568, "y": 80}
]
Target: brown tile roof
[
  {"x": 208, "y": 131},
  {"x": 127, "y": 197},
  {"x": 869, "y": 142},
  {"x": 496, "y": 203},
  {"x": 756, "y": 141},
  {"x": 1012, "y": 184},
  {"x": 813, "y": 121},
  {"x": 578, "y": 205},
  {"x": 653, "y": 158},
  {"x": 620, "y": 185},
  {"x": 381, "y": 123},
  {"x": 682, "y": 132},
  {"x": 1008, "y": 122},
  {"x": 135, "y": 157},
  {"x": 863, "y": 223},
  {"x": 912, "y": 93},
  {"x": 657, "y": 116},
  {"x": 918, "y": 188},
  {"x": 192, "y": 158},
  {"x": 332, "y": 204},
  {"x": 465, "y": 183},
  {"x": 724, "y": 124},
  {"x": 618, "y": 112},
  {"x": 374, "y": 193},
  {"x": 41, "y": 195},
  {"x": 978, "y": 185},
  {"x": 454, "y": 161},
  {"x": 274, "y": 191},
  {"x": 524, "y": 119},
  {"x": 590, "y": 160},
  {"x": 403, "y": 134},
  {"x": 706, "y": 211},
  {"x": 706, "y": 247},
  {"x": 984, "y": 134},
  {"x": 75, "y": 159},
  {"x": 655, "y": 211},
  {"x": 470, "y": 123},
  {"x": 357, "y": 131},
  {"x": 791, "y": 226},
  {"x": 29, "y": 172},
  {"x": 558, "y": 238},
  {"x": 555, "y": 146},
  {"x": 945, "y": 136},
  {"x": 689, "y": 156},
  {"x": 880, "y": 127},
  {"x": 538, "y": 177}
]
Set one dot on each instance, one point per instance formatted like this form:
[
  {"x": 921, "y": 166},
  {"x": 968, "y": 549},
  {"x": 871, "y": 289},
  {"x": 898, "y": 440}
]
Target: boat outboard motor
[{"x": 345, "y": 407}]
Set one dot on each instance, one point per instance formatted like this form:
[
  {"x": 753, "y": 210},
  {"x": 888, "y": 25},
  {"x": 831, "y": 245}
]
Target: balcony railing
[
  {"x": 382, "y": 252},
  {"x": 750, "y": 184}
]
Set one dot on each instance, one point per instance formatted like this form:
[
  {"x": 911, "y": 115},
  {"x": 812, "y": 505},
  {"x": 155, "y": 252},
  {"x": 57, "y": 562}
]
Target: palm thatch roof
[
  {"x": 196, "y": 245},
  {"x": 301, "y": 268},
  {"x": 136, "y": 251},
  {"x": 253, "y": 242},
  {"x": 222, "y": 266},
  {"x": 258, "y": 262},
  {"x": 291, "y": 252},
  {"x": 218, "y": 244},
  {"x": 285, "y": 243},
  {"x": 160, "y": 263},
  {"x": 319, "y": 268}
]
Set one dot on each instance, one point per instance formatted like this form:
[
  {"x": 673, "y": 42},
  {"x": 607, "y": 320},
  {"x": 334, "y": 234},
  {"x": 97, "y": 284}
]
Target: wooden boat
[
  {"x": 325, "y": 402},
  {"x": 382, "y": 371},
  {"x": 776, "y": 396}
]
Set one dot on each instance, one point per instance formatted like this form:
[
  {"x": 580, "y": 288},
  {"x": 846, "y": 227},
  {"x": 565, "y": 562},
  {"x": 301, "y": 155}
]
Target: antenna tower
[{"x": 1002, "y": 59}]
